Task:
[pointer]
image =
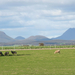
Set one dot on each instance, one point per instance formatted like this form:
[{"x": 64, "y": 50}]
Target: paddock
[{"x": 38, "y": 62}]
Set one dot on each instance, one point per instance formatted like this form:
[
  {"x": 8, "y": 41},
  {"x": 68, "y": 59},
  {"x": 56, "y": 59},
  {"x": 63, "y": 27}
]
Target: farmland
[{"x": 38, "y": 62}]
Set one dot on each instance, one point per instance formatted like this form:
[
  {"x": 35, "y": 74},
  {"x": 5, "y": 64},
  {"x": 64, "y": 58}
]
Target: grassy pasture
[{"x": 38, "y": 62}]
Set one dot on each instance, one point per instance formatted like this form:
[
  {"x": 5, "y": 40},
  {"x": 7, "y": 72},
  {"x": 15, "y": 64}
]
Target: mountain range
[{"x": 67, "y": 37}]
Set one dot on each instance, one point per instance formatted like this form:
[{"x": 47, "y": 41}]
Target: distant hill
[
  {"x": 67, "y": 38},
  {"x": 5, "y": 38},
  {"x": 68, "y": 35},
  {"x": 19, "y": 38},
  {"x": 38, "y": 38}
]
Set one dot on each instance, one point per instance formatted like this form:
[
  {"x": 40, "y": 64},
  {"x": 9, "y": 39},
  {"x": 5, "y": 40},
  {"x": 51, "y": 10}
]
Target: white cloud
[
  {"x": 51, "y": 12},
  {"x": 45, "y": 17}
]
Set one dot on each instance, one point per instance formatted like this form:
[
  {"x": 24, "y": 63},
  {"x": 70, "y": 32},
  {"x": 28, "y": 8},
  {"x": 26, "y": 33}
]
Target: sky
[{"x": 50, "y": 18}]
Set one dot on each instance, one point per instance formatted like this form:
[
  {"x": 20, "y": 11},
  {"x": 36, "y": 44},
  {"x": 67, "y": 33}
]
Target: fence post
[
  {"x": 50, "y": 47},
  {"x": 14, "y": 47},
  {"x": 2, "y": 47},
  {"x": 55, "y": 45}
]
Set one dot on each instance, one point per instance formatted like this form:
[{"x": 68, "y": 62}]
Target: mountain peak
[
  {"x": 5, "y": 38},
  {"x": 38, "y": 38},
  {"x": 68, "y": 35},
  {"x": 19, "y": 38},
  {"x": 1, "y": 32}
]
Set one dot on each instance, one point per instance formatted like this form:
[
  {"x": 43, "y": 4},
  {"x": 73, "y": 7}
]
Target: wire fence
[{"x": 36, "y": 47}]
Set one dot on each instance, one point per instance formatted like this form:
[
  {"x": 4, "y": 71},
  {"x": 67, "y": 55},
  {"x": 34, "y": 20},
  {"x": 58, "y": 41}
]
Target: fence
[{"x": 36, "y": 47}]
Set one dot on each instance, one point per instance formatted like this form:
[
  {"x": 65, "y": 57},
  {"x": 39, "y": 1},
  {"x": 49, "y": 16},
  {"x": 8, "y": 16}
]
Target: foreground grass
[{"x": 38, "y": 62}]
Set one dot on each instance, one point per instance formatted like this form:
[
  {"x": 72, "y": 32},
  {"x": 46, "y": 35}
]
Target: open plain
[{"x": 38, "y": 62}]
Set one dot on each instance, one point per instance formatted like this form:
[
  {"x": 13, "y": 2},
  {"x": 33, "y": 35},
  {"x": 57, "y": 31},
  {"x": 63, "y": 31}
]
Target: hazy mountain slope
[
  {"x": 68, "y": 35},
  {"x": 5, "y": 38},
  {"x": 38, "y": 38},
  {"x": 19, "y": 38}
]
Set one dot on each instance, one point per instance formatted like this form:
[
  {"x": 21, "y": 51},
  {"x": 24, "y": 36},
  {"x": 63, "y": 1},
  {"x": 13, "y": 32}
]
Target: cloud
[{"x": 34, "y": 17}]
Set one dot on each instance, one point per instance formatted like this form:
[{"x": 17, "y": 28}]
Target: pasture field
[{"x": 38, "y": 62}]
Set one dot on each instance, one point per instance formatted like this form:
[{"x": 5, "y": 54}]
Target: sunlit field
[{"x": 38, "y": 62}]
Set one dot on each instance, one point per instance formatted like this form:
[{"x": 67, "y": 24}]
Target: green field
[{"x": 38, "y": 62}]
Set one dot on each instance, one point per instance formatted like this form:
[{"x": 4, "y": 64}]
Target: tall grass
[{"x": 38, "y": 62}]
